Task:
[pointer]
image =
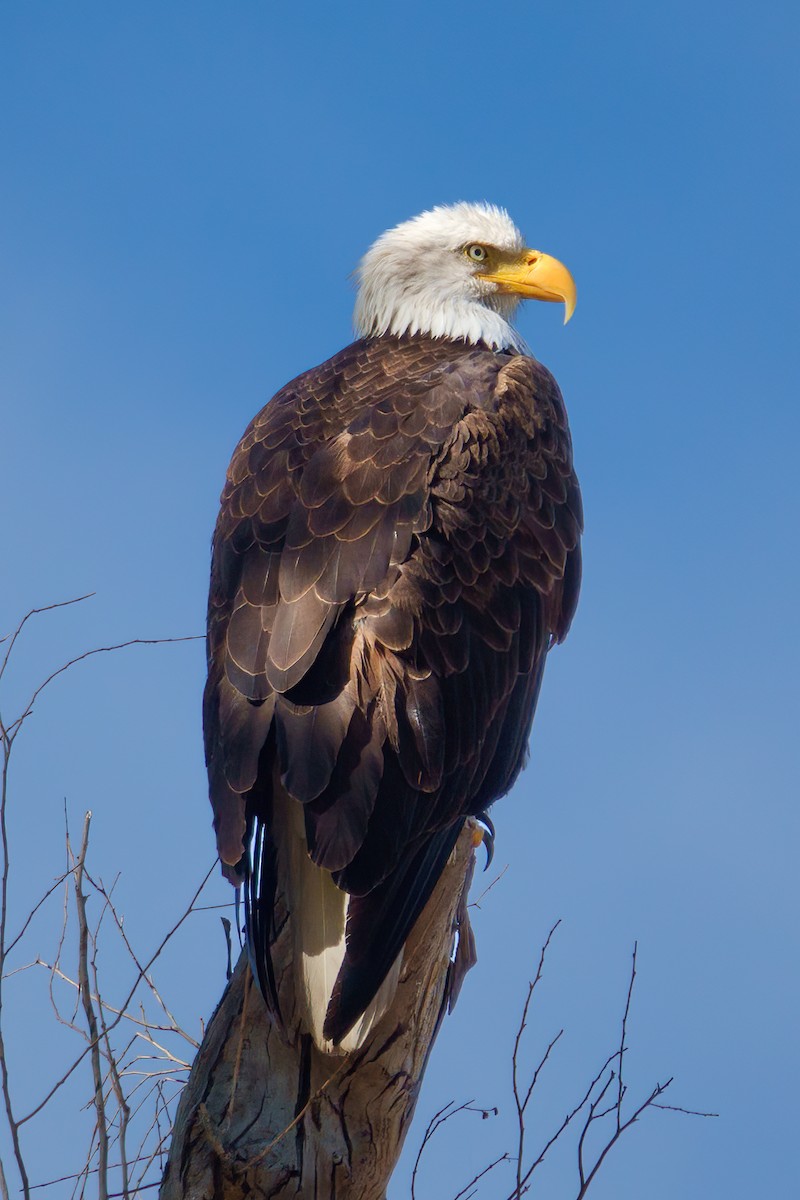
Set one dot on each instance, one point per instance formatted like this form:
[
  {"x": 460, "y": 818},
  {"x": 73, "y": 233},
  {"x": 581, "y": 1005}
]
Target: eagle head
[{"x": 459, "y": 272}]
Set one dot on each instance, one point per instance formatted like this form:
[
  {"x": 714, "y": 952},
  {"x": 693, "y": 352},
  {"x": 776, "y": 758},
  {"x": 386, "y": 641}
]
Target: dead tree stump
[{"x": 266, "y": 1114}]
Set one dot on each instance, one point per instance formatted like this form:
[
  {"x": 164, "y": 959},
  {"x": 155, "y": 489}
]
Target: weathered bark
[{"x": 265, "y": 1114}]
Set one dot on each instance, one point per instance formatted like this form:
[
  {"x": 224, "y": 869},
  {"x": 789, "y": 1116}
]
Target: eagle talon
[{"x": 486, "y": 835}]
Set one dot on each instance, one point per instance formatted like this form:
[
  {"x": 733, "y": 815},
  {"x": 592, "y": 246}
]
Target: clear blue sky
[{"x": 185, "y": 189}]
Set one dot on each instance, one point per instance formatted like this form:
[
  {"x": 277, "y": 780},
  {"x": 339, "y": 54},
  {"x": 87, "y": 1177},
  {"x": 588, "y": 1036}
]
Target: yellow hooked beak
[{"x": 536, "y": 276}]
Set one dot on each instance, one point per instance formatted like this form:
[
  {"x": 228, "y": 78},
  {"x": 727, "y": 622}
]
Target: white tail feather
[{"x": 318, "y": 914}]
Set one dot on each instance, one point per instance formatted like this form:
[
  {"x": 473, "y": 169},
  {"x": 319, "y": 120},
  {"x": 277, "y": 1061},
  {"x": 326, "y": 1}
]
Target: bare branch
[
  {"x": 621, "y": 1124},
  {"x": 54, "y": 886},
  {"x": 622, "y": 1046},
  {"x": 441, "y": 1118},
  {"x": 75, "y": 1175},
  {"x": 13, "y": 1124},
  {"x": 91, "y": 1017},
  {"x": 687, "y": 1112},
  {"x": 568, "y": 1119},
  {"x": 142, "y": 1022},
  {"x": 109, "y": 1066},
  {"x": 123, "y": 1109},
  {"x": 593, "y": 1115},
  {"x": 477, "y": 903},
  {"x": 173, "y": 1026},
  {"x": 658, "y": 1090},
  {"x": 537, "y": 1072},
  {"x": 14, "y": 728},
  {"x": 594, "y": 1097},
  {"x": 521, "y": 1104},
  {"x": 465, "y": 1193},
  {"x": 140, "y": 1187},
  {"x": 33, "y": 613},
  {"x": 112, "y": 1025}
]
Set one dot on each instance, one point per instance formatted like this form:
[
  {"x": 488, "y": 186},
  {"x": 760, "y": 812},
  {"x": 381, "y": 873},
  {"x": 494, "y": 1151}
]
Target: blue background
[{"x": 185, "y": 190}]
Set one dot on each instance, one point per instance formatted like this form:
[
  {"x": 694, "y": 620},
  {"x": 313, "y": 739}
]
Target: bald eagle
[{"x": 397, "y": 550}]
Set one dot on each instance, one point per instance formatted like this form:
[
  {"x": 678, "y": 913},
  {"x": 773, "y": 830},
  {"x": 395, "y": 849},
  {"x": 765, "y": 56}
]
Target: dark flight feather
[{"x": 396, "y": 551}]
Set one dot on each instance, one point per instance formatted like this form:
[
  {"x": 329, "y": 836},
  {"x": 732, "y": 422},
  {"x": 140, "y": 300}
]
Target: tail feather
[
  {"x": 318, "y": 914},
  {"x": 259, "y": 902}
]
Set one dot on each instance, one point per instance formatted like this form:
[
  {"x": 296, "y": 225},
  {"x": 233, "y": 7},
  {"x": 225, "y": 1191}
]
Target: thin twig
[
  {"x": 33, "y": 613},
  {"x": 687, "y": 1112},
  {"x": 622, "y": 1046},
  {"x": 14, "y": 728},
  {"x": 462, "y": 1195},
  {"x": 140, "y": 1187},
  {"x": 91, "y": 1016},
  {"x": 13, "y": 1124},
  {"x": 15, "y": 941},
  {"x": 521, "y": 1104},
  {"x": 477, "y": 902},
  {"x": 440, "y": 1118},
  {"x": 77, "y": 1175},
  {"x": 142, "y": 1022},
  {"x": 593, "y": 1115}
]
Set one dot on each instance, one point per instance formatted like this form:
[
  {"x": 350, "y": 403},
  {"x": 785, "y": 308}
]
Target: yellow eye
[{"x": 476, "y": 253}]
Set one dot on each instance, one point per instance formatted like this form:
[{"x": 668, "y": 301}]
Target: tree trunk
[{"x": 266, "y": 1114}]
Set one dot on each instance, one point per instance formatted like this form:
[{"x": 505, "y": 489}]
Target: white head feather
[{"x": 416, "y": 278}]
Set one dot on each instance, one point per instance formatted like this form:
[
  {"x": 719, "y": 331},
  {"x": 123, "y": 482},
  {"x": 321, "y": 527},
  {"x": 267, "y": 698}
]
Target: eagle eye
[{"x": 476, "y": 253}]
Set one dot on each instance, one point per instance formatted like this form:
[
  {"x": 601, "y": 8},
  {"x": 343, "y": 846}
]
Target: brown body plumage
[{"x": 397, "y": 550}]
